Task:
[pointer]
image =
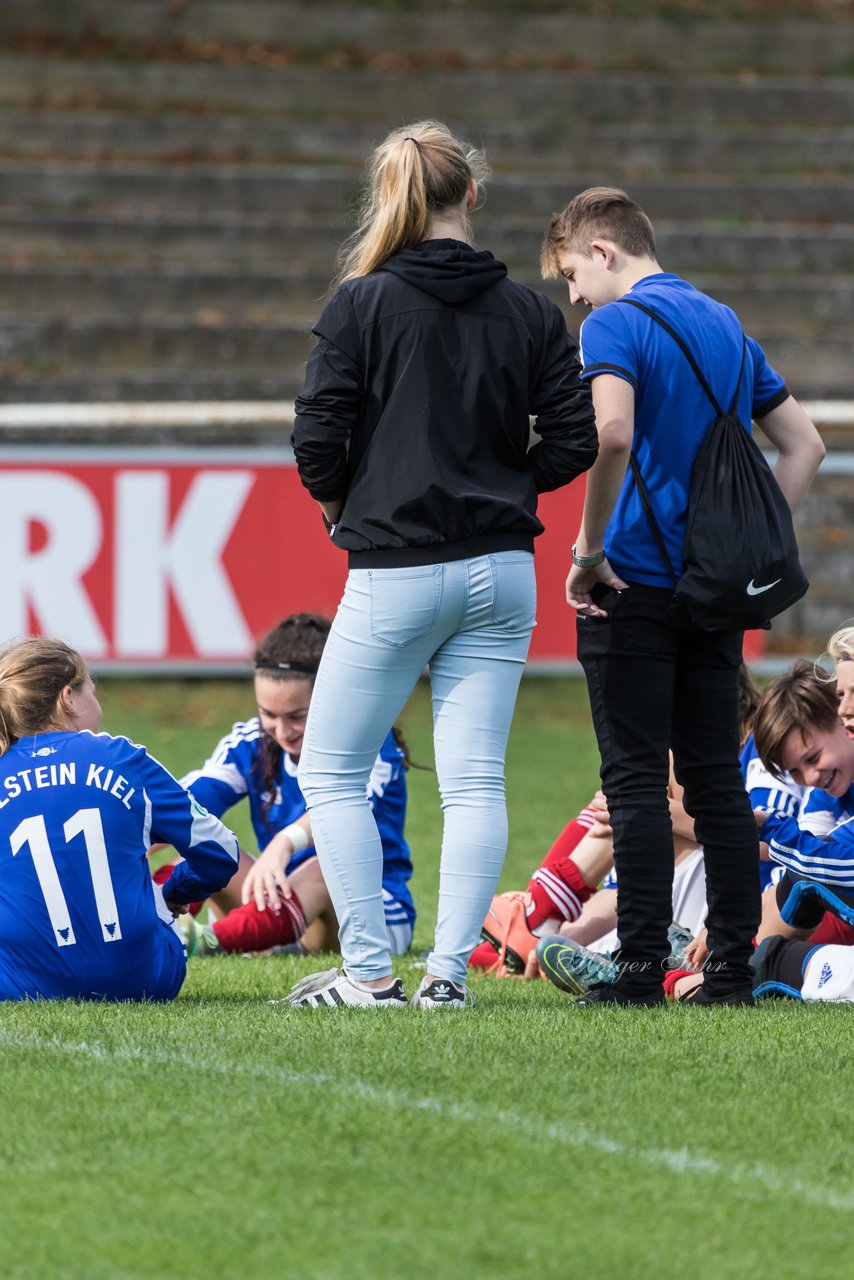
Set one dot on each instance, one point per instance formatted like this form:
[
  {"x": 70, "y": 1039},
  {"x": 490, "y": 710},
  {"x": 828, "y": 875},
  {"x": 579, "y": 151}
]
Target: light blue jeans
[{"x": 471, "y": 621}]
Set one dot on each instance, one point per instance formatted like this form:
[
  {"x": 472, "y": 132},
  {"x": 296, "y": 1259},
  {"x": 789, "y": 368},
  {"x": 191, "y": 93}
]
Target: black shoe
[
  {"x": 612, "y": 993},
  {"x": 739, "y": 996}
]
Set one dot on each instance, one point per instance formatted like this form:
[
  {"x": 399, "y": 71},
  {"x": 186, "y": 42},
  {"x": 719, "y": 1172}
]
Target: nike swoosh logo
[{"x": 757, "y": 591}]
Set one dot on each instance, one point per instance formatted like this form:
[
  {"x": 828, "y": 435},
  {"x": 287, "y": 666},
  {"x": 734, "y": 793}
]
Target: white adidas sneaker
[
  {"x": 441, "y": 993},
  {"x": 333, "y": 988}
]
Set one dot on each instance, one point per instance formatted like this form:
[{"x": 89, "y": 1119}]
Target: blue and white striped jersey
[
  {"x": 233, "y": 772},
  {"x": 779, "y": 795},
  {"x": 821, "y": 845},
  {"x": 78, "y": 812},
  {"x": 782, "y": 796},
  {"x": 822, "y": 813}
]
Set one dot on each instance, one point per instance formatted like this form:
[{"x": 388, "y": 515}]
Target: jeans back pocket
[
  {"x": 514, "y": 600},
  {"x": 404, "y": 603}
]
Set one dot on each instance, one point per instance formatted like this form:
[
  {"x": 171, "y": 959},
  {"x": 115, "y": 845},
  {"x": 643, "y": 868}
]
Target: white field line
[{"x": 758, "y": 1179}]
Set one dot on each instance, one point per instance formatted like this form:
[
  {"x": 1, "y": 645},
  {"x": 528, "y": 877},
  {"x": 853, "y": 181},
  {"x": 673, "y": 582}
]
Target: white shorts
[
  {"x": 689, "y": 899},
  {"x": 830, "y": 975}
]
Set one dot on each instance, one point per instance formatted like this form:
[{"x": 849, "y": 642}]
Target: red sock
[
  {"x": 162, "y": 874},
  {"x": 483, "y": 956},
  {"x": 557, "y": 887},
  {"x": 248, "y": 929},
  {"x": 832, "y": 931},
  {"x": 671, "y": 978}
]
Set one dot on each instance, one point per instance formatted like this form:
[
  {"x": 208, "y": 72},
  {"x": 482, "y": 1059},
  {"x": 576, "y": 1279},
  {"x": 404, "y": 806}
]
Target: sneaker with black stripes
[
  {"x": 334, "y": 988},
  {"x": 441, "y": 993}
]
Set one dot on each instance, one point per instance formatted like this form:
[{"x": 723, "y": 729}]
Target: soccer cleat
[
  {"x": 505, "y": 927},
  {"x": 334, "y": 988},
  {"x": 610, "y": 993},
  {"x": 441, "y": 993},
  {"x": 680, "y": 939},
  {"x": 198, "y": 939},
  {"x": 571, "y": 967}
]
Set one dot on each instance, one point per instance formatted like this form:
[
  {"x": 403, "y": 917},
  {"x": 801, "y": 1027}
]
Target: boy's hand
[{"x": 580, "y": 582}]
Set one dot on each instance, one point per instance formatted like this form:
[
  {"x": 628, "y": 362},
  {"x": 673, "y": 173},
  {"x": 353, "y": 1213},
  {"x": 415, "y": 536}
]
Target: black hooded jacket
[{"x": 417, "y": 404}]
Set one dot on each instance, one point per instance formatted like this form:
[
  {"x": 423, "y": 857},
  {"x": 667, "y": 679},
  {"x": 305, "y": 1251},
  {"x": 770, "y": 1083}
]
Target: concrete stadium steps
[
  {"x": 168, "y": 225},
  {"x": 319, "y": 190},
  {"x": 678, "y": 43},
  {"x": 177, "y": 291},
  {"x": 479, "y": 97},
  {"x": 825, "y": 525},
  {"x": 112, "y": 344},
  {"x": 626, "y": 151},
  {"x": 217, "y": 294},
  {"x": 149, "y": 385},
  {"x": 305, "y": 243},
  {"x": 111, "y": 347}
]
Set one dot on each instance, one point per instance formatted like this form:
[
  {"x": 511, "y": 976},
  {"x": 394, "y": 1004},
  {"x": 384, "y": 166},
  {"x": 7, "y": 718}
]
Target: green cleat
[
  {"x": 198, "y": 939},
  {"x": 571, "y": 967}
]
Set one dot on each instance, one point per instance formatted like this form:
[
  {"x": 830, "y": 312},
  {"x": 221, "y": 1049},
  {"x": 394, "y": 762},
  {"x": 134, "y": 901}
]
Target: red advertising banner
[{"x": 181, "y": 564}]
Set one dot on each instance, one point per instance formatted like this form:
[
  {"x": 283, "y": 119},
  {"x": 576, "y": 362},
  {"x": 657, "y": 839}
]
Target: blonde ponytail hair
[
  {"x": 417, "y": 169},
  {"x": 33, "y": 674}
]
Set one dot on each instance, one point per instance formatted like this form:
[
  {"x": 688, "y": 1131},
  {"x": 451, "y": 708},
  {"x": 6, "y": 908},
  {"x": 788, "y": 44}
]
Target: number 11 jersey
[{"x": 78, "y": 915}]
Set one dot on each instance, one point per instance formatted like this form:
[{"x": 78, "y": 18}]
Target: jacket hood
[{"x": 449, "y": 270}]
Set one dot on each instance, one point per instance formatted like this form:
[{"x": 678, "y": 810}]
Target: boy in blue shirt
[{"x": 656, "y": 680}]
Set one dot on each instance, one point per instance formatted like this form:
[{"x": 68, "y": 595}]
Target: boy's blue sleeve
[
  {"x": 608, "y": 346},
  {"x": 769, "y": 389},
  {"x": 829, "y": 861},
  {"x": 173, "y": 816}
]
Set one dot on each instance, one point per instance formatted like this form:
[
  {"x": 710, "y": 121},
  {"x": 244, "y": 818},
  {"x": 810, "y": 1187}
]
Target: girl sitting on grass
[
  {"x": 79, "y": 915},
  {"x": 281, "y": 900}
]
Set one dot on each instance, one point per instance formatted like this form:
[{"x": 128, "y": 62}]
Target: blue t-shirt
[
  {"x": 78, "y": 812},
  {"x": 672, "y": 412},
  {"x": 234, "y": 770}
]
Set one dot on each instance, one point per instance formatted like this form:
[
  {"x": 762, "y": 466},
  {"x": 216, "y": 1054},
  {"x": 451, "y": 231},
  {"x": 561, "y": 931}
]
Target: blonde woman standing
[{"x": 413, "y": 434}]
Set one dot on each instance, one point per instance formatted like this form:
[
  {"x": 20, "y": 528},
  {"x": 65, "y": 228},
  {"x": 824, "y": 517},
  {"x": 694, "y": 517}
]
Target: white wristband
[{"x": 298, "y": 836}]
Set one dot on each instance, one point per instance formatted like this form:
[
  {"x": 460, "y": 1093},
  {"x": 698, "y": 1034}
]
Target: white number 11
[{"x": 85, "y": 822}]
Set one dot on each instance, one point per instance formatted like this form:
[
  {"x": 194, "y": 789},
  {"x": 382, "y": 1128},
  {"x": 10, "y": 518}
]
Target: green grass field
[{"x": 226, "y": 1138}]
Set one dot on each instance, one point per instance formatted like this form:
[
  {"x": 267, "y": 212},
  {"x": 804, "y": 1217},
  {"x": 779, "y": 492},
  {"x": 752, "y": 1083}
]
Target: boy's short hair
[
  {"x": 599, "y": 213},
  {"x": 796, "y": 700}
]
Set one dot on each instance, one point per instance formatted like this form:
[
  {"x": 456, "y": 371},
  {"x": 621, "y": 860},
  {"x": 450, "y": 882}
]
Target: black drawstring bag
[{"x": 741, "y": 563}]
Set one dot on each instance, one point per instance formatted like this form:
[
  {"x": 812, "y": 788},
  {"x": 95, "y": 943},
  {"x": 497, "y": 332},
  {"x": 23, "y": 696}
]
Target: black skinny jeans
[{"x": 657, "y": 682}]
